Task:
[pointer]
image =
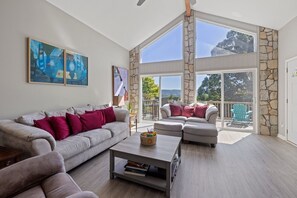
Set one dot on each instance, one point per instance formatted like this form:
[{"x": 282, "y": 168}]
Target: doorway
[{"x": 292, "y": 100}]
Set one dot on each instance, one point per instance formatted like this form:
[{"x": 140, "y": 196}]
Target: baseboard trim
[{"x": 281, "y": 137}]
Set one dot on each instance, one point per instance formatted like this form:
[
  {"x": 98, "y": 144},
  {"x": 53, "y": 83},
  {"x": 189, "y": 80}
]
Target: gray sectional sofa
[
  {"x": 75, "y": 149},
  {"x": 190, "y": 129}
]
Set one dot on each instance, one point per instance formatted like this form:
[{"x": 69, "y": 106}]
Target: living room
[{"x": 214, "y": 80}]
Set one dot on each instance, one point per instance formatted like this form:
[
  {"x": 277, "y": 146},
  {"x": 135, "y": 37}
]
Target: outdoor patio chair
[{"x": 240, "y": 115}]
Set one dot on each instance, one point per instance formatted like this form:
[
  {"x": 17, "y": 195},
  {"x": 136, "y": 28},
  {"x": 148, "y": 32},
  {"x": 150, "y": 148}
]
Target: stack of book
[{"x": 135, "y": 168}]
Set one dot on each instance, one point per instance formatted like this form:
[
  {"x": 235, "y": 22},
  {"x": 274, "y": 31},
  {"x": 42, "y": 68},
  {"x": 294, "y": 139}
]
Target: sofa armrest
[
  {"x": 122, "y": 115},
  {"x": 211, "y": 114},
  {"x": 84, "y": 194},
  {"x": 29, "y": 172},
  {"x": 165, "y": 111},
  {"x": 25, "y": 137}
]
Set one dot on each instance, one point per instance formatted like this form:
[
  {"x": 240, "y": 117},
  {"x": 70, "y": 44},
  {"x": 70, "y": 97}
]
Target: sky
[{"x": 169, "y": 47}]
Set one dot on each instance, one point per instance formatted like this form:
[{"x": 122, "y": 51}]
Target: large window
[
  {"x": 166, "y": 48},
  {"x": 214, "y": 40}
]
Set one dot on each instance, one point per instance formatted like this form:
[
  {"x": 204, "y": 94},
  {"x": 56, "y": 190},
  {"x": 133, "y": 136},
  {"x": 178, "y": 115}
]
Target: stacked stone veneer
[
  {"x": 134, "y": 79},
  {"x": 189, "y": 58},
  {"x": 268, "y": 81}
]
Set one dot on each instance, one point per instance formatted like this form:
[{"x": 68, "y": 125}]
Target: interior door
[{"x": 292, "y": 101}]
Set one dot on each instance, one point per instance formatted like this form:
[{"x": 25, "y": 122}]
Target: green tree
[
  {"x": 210, "y": 88},
  {"x": 235, "y": 43},
  {"x": 150, "y": 90}
]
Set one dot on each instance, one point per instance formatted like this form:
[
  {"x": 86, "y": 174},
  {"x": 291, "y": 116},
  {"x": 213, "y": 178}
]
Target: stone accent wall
[
  {"x": 189, "y": 59},
  {"x": 134, "y": 79},
  {"x": 268, "y": 72}
]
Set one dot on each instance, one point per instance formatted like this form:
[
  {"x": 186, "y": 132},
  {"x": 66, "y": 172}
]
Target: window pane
[
  {"x": 208, "y": 87},
  {"x": 213, "y": 40},
  {"x": 170, "y": 89},
  {"x": 166, "y": 48}
]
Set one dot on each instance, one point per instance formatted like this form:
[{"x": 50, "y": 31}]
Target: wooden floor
[{"x": 242, "y": 165}]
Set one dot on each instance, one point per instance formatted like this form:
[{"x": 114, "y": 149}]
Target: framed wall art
[
  {"x": 76, "y": 69},
  {"x": 120, "y": 85},
  {"x": 45, "y": 63}
]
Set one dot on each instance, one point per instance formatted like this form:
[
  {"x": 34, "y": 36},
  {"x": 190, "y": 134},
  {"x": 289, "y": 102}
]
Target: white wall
[
  {"x": 20, "y": 19},
  {"x": 287, "y": 50}
]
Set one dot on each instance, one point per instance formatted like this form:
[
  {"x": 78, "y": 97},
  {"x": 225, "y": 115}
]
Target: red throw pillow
[
  {"x": 90, "y": 121},
  {"x": 100, "y": 113},
  {"x": 74, "y": 123},
  {"x": 200, "y": 111},
  {"x": 109, "y": 115},
  {"x": 188, "y": 111},
  {"x": 176, "y": 110},
  {"x": 45, "y": 124},
  {"x": 60, "y": 127}
]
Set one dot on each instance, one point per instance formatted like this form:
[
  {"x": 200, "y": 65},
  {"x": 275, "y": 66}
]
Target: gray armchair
[{"x": 41, "y": 176}]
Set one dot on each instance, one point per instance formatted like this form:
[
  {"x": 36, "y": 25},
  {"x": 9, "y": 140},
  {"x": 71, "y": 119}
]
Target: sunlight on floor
[
  {"x": 231, "y": 137},
  {"x": 225, "y": 137}
]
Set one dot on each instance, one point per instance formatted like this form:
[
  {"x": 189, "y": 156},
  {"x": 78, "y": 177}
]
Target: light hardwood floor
[{"x": 242, "y": 165}]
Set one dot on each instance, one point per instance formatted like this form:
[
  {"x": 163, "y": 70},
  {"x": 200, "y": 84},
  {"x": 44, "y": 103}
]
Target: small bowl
[{"x": 148, "y": 141}]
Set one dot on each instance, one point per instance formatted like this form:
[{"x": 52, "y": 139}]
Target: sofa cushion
[
  {"x": 28, "y": 119},
  {"x": 59, "y": 185},
  {"x": 59, "y": 112},
  {"x": 109, "y": 115},
  {"x": 60, "y": 127},
  {"x": 82, "y": 109},
  {"x": 90, "y": 121},
  {"x": 200, "y": 111},
  {"x": 201, "y": 129},
  {"x": 168, "y": 125},
  {"x": 72, "y": 145},
  {"x": 96, "y": 136},
  {"x": 98, "y": 107},
  {"x": 36, "y": 191},
  {"x": 74, "y": 123},
  {"x": 182, "y": 118},
  {"x": 101, "y": 115},
  {"x": 175, "y": 110},
  {"x": 195, "y": 119},
  {"x": 45, "y": 124},
  {"x": 187, "y": 111},
  {"x": 116, "y": 127}
]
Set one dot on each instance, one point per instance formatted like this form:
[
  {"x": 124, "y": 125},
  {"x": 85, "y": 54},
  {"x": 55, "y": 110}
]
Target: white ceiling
[{"x": 129, "y": 25}]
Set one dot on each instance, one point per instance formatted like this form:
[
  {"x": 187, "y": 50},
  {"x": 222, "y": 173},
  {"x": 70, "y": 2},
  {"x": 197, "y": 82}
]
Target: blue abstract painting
[
  {"x": 76, "y": 69},
  {"x": 46, "y": 63}
]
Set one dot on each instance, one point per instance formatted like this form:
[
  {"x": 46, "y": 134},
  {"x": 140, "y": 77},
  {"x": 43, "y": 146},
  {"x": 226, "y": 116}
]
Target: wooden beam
[{"x": 188, "y": 8}]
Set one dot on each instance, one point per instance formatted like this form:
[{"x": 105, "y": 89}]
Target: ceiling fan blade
[
  {"x": 193, "y": 2},
  {"x": 140, "y": 2}
]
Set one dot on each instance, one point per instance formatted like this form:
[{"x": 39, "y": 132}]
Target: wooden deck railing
[{"x": 150, "y": 108}]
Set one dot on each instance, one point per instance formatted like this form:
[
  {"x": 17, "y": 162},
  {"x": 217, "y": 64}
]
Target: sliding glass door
[
  {"x": 234, "y": 94},
  {"x": 156, "y": 91}
]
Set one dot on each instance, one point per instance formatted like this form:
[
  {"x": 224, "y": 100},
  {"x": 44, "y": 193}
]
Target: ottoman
[
  {"x": 169, "y": 127},
  {"x": 201, "y": 132}
]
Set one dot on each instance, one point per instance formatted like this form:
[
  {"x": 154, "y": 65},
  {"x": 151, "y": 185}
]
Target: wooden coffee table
[{"x": 160, "y": 155}]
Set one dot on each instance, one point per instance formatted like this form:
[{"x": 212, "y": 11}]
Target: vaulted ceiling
[{"x": 125, "y": 23}]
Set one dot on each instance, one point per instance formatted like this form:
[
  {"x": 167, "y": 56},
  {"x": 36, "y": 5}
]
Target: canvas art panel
[
  {"x": 46, "y": 63},
  {"x": 120, "y": 85},
  {"x": 76, "y": 69}
]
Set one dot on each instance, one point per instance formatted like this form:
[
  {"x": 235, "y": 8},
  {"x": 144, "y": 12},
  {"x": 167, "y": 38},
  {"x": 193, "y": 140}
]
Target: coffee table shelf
[{"x": 150, "y": 181}]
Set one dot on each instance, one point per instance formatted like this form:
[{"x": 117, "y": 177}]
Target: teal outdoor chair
[{"x": 240, "y": 115}]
